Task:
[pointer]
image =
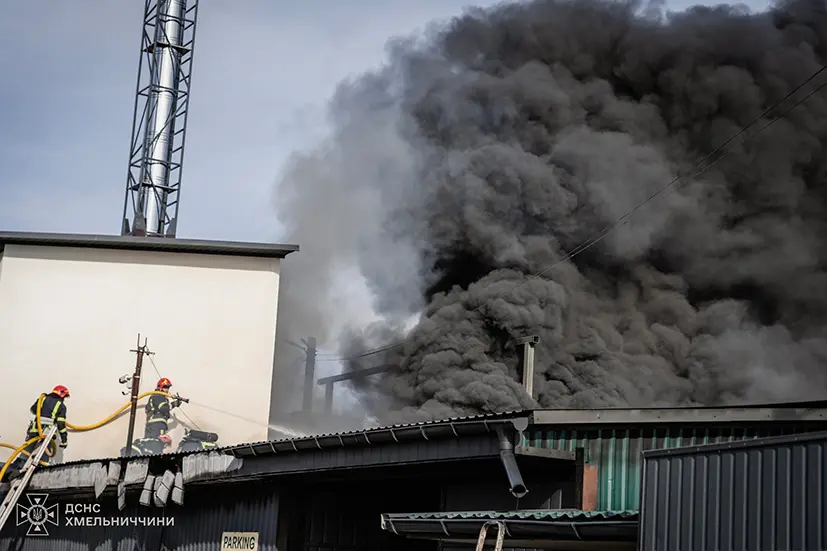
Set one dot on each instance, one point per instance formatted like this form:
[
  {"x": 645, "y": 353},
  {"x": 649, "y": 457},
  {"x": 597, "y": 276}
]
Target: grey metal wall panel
[
  {"x": 766, "y": 494},
  {"x": 226, "y": 508},
  {"x": 197, "y": 526}
]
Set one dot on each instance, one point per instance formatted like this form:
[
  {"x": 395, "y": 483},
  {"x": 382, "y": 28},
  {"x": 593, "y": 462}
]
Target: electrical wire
[
  {"x": 668, "y": 189},
  {"x": 296, "y": 362},
  {"x": 217, "y": 410},
  {"x": 184, "y": 413}
]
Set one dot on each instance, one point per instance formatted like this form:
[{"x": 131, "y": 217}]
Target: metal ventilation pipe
[
  {"x": 512, "y": 470},
  {"x": 528, "y": 344},
  {"x": 169, "y": 32}
]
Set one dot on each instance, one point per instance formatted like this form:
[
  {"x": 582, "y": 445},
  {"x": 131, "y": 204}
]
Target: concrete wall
[{"x": 70, "y": 316}]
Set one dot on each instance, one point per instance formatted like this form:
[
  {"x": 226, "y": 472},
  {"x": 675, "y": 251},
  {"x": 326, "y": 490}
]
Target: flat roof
[
  {"x": 744, "y": 413},
  {"x": 157, "y": 244}
]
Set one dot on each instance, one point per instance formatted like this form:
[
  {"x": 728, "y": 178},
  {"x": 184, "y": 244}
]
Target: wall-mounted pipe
[{"x": 512, "y": 470}]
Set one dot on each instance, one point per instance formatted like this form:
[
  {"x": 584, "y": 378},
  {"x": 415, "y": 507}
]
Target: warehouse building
[{"x": 564, "y": 479}]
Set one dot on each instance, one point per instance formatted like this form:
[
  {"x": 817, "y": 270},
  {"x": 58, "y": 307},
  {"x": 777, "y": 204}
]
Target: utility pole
[
  {"x": 309, "y": 373},
  {"x": 135, "y": 386}
]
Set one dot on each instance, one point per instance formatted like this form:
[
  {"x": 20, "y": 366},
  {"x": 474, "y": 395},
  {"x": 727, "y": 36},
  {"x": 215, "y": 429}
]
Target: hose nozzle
[{"x": 179, "y": 397}]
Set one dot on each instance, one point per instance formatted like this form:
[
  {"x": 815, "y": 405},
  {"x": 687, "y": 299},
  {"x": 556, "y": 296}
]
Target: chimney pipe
[{"x": 528, "y": 344}]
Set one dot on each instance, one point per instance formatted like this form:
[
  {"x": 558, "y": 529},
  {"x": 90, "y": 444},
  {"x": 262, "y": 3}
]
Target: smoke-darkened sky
[{"x": 481, "y": 154}]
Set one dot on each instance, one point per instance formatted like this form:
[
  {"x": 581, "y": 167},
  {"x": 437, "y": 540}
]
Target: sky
[{"x": 263, "y": 72}]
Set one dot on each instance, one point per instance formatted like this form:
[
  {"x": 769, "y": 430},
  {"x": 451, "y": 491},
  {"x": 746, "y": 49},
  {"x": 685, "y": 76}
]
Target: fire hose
[{"x": 74, "y": 428}]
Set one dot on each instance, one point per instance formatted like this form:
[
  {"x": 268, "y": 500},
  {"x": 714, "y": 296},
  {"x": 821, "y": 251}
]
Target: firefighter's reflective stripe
[
  {"x": 156, "y": 420},
  {"x": 158, "y": 406},
  {"x": 208, "y": 445},
  {"x": 61, "y": 421},
  {"x": 51, "y": 419}
]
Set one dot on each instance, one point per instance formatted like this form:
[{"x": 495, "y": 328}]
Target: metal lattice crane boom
[{"x": 160, "y": 118}]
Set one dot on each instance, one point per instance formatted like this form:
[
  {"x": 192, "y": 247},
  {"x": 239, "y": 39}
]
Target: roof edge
[
  {"x": 523, "y": 528},
  {"x": 149, "y": 244},
  {"x": 752, "y": 413},
  {"x": 752, "y": 443}
]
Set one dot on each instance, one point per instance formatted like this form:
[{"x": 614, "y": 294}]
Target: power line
[
  {"x": 217, "y": 410},
  {"x": 184, "y": 413},
  {"x": 669, "y": 188}
]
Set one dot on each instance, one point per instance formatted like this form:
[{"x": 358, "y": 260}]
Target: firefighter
[
  {"x": 198, "y": 441},
  {"x": 158, "y": 410},
  {"x": 52, "y": 411},
  {"x": 149, "y": 446}
]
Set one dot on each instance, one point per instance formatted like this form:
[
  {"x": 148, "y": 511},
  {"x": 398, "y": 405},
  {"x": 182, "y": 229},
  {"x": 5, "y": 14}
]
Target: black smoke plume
[{"x": 500, "y": 142}]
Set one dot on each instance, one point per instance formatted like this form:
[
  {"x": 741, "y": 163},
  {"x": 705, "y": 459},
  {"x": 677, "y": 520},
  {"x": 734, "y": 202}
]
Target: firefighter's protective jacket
[
  {"x": 158, "y": 409},
  {"x": 53, "y": 411}
]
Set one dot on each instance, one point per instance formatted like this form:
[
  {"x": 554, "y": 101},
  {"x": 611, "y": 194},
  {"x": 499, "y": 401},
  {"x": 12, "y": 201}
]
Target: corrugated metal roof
[
  {"x": 569, "y": 515},
  {"x": 160, "y": 244},
  {"x": 387, "y": 428},
  {"x": 367, "y": 436}
]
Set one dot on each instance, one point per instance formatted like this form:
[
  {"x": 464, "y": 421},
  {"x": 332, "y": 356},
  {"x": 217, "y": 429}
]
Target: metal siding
[
  {"x": 198, "y": 524},
  {"x": 761, "y": 496},
  {"x": 227, "y": 509},
  {"x": 617, "y": 452}
]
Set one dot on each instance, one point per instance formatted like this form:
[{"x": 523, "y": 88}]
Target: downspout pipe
[{"x": 512, "y": 470}]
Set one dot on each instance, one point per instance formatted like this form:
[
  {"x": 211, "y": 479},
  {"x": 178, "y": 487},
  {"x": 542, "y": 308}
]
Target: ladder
[
  {"x": 18, "y": 485},
  {"x": 498, "y": 546}
]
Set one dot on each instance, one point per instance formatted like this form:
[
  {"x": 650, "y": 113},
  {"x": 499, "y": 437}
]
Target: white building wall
[{"x": 70, "y": 316}]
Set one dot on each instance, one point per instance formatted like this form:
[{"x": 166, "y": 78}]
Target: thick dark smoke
[{"x": 520, "y": 132}]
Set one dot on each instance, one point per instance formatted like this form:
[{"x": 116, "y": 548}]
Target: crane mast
[{"x": 160, "y": 118}]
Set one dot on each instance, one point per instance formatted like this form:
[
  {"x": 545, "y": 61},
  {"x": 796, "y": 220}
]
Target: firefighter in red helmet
[
  {"x": 159, "y": 410},
  {"x": 52, "y": 412}
]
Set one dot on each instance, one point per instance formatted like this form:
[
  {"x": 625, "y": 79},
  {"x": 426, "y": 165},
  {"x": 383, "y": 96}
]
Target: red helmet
[
  {"x": 163, "y": 382},
  {"x": 165, "y": 438},
  {"x": 61, "y": 391}
]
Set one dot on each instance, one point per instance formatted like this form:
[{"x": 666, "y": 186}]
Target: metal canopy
[{"x": 550, "y": 529}]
